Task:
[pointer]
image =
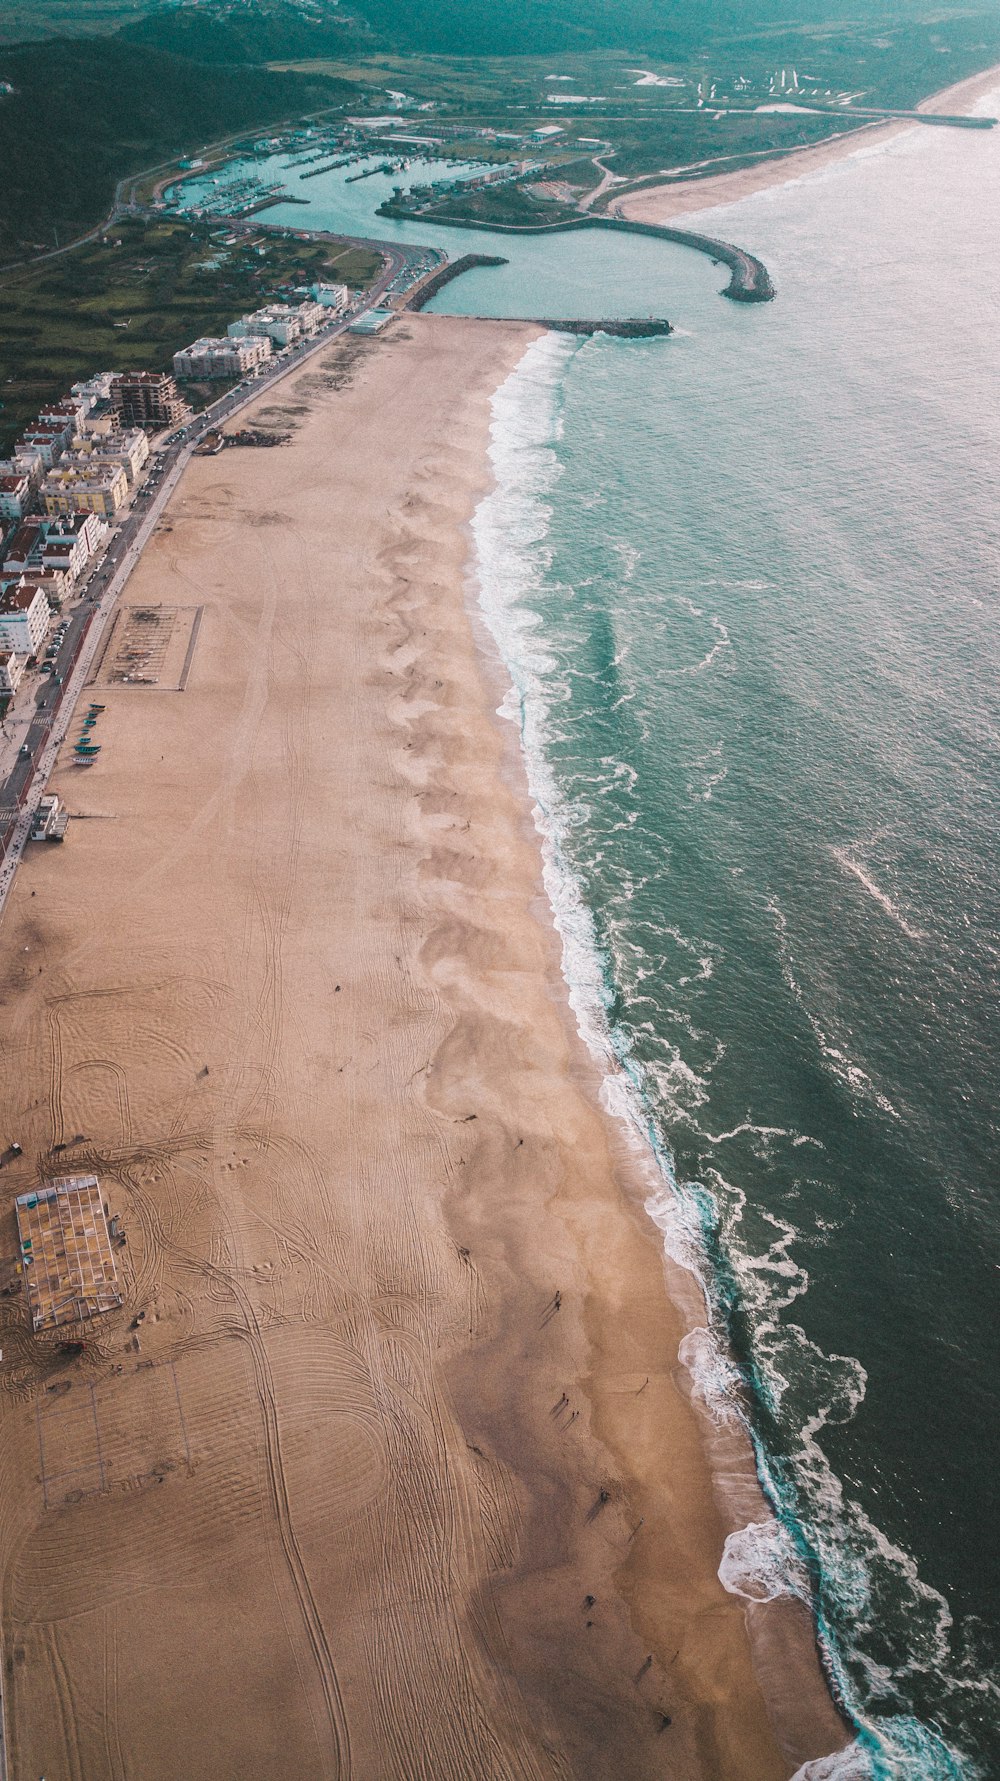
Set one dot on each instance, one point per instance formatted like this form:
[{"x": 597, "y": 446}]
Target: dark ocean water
[{"x": 746, "y": 585}]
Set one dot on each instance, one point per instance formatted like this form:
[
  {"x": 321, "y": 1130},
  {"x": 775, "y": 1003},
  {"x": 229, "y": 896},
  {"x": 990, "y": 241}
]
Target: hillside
[{"x": 111, "y": 108}]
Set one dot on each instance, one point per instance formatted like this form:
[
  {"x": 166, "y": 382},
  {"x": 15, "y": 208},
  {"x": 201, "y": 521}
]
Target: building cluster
[
  {"x": 66, "y": 478},
  {"x": 252, "y": 339}
]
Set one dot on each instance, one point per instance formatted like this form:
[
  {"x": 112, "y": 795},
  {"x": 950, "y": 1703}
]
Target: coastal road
[{"x": 53, "y": 714}]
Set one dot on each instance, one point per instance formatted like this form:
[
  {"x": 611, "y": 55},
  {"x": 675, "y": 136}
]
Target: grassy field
[
  {"x": 506, "y": 205},
  {"x": 130, "y": 304}
]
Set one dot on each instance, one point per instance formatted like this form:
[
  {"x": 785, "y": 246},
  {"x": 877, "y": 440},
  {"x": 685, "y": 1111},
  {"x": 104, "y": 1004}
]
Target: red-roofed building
[{"x": 15, "y": 493}]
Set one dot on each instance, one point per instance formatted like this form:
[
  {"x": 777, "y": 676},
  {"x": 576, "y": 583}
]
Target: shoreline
[
  {"x": 292, "y": 993},
  {"x": 660, "y": 204},
  {"x": 782, "y": 1630}
]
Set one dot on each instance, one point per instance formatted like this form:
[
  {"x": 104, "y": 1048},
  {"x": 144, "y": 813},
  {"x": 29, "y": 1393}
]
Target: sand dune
[{"x": 327, "y": 1512}]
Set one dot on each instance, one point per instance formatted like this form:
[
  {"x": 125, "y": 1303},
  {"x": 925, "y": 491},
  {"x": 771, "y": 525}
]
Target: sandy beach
[
  {"x": 359, "y": 1496},
  {"x": 661, "y": 204}
]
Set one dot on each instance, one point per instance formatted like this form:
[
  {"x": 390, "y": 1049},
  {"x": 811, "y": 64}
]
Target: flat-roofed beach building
[
  {"x": 210, "y": 358},
  {"x": 281, "y": 323},
  {"x": 24, "y": 619}
]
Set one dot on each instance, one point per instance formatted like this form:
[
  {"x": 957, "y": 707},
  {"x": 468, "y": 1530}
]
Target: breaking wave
[{"x": 818, "y": 1544}]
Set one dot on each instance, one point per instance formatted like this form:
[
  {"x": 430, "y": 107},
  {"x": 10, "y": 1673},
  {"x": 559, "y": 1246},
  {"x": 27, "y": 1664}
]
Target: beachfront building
[
  {"x": 146, "y": 399},
  {"x": 68, "y": 553},
  {"x": 330, "y": 296},
  {"x": 211, "y": 358},
  {"x": 15, "y": 493},
  {"x": 24, "y": 549},
  {"x": 24, "y": 619},
  {"x": 129, "y": 449},
  {"x": 53, "y": 583},
  {"x": 12, "y": 668},
  {"x": 92, "y": 488},
  {"x": 60, "y": 546},
  {"x": 281, "y": 323}
]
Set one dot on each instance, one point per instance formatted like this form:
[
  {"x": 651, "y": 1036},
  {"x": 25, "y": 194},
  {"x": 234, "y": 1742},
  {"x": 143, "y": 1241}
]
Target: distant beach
[{"x": 661, "y": 204}]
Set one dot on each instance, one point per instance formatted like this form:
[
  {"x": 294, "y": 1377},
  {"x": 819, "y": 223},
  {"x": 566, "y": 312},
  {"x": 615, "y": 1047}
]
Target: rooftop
[
  {"x": 20, "y": 598},
  {"x": 23, "y": 542}
]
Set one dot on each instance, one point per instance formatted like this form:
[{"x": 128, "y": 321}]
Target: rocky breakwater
[
  {"x": 627, "y": 328},
  {"x": 454, "y": 269},
  {"x": 750, "y": 281}
]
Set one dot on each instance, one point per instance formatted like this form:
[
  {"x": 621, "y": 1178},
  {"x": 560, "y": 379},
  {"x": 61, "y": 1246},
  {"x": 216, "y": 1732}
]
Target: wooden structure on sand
[{"x": 67, "y": 1257}]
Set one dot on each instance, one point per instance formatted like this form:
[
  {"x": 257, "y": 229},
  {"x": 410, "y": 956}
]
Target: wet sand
[
  {"x": 359, "y": 1496},
  {"x": 661, "y": 204}
]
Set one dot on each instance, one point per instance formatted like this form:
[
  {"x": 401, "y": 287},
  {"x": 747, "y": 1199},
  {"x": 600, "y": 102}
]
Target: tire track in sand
[{"x": 312, "y": 1620}]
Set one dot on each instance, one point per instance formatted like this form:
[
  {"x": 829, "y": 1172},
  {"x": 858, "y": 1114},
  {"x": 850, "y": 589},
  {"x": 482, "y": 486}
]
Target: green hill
[{"x": 108, "y": 108}]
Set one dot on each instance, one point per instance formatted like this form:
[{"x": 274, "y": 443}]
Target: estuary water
[{"x": 745, "y": 582}]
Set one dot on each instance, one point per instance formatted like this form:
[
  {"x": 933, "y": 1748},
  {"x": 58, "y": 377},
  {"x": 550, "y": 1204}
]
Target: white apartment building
[
  {"x": 330, "y": 296},
  {"x": 130, "y": 449},
  {"x": 11, "y": 670},
  {"x": 15, "y": 492},
  {"x": 277, "y": 325},
  {"x": 94, "y": 390},
  {"x": 24, "y": 619},
  {"x": 281, "y": 323},
  {"x": 221, "y": 358},
  {"x": 48, "y": 440},
  {"x": 26, "y": 461}
]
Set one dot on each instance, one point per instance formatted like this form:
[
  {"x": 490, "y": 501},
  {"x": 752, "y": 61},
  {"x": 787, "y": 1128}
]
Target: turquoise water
[{"x": 745, "y": 582}]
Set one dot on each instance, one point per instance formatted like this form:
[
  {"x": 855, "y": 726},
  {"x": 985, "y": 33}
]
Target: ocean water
[{"x": 745, "y": 583}]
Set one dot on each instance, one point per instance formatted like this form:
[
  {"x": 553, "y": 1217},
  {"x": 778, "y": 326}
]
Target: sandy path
[
  {"x": 326, "y": 1514},
  {"x": 660, "y": 204}
]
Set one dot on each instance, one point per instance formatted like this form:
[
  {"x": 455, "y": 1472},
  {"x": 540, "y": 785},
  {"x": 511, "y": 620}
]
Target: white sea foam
[
  {"x": 760, "y": 1563},
  {"x": 797, "y": 1382},
  {"x": 852, "y": 1764},
  {"x": 843, "y": 858},
  {"x": 841, "y": 1066}
]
